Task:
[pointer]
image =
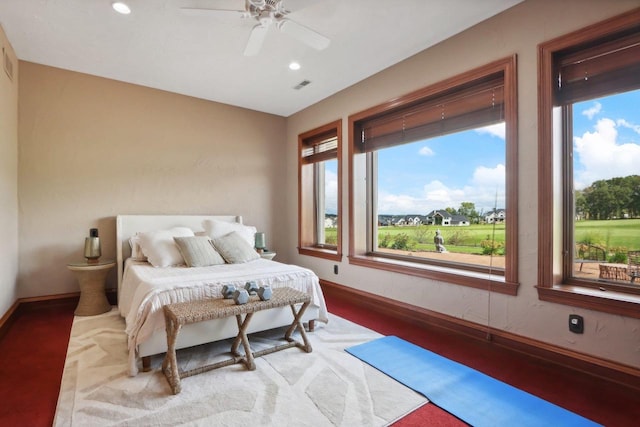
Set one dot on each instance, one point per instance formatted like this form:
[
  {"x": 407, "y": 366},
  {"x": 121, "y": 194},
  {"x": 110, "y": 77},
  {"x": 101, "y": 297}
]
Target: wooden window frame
[
  {"x": 554, "y": 281},
  {"x": 307, "y": 221},
  {"x": 459, "y": 274}
]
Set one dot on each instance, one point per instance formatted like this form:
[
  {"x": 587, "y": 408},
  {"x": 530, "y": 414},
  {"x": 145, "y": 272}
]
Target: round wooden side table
[{"x": 91, "y": 276}]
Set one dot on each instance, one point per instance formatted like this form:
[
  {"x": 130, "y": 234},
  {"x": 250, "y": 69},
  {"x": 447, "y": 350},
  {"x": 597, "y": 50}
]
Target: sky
[
  {"x": 469, "y": 166},
  {"x": 443, "y": 172},
  {"x": 606, "y": 138}
]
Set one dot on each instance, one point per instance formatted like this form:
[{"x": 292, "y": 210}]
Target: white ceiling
[{"x": 159, "y": 46}]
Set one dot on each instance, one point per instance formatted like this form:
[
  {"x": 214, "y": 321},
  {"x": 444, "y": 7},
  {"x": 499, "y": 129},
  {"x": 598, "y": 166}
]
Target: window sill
[
  {"x": 595, "y": 299},
  {"x": 473, "y": 279},
  {"x": 321, "y": 253}
]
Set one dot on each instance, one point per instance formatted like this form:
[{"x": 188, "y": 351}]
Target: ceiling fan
[{"x": 267, "y": 13}]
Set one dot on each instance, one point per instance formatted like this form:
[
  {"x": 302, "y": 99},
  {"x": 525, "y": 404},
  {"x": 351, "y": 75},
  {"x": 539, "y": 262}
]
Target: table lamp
[
  {"x": 92, "y": 250},
  {"x": 260, "y": 240}
]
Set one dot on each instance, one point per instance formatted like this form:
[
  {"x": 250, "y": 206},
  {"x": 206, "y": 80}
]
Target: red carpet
[
  {"x": 32, "y": 357},
  {"x": 33, "y": 350}
]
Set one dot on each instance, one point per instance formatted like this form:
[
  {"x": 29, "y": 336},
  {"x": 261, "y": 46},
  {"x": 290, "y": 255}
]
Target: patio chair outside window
[
  {"x": 589, "y": 253},
  {"x": 633, "y": 269}
]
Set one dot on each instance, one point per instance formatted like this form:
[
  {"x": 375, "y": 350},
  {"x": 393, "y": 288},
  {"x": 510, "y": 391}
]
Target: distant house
[
  {"x": 412, "y": 220},
  {"x": 330, "y": 221},
  {"x": 444, "y": 218},
  {"x": 415, "y": 220},
  {"x": 401, "y": 220},
  {"x": 385, "y": 220},
  {"x": 495, "y": 216}
]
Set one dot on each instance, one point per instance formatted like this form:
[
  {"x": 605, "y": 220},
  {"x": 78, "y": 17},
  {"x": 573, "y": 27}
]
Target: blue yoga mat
[{"x": 472, "y": 396}]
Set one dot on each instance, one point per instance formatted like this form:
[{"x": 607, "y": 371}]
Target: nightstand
[
  {"x": 91, "y": 277},
  {"x": 268, "y": 255}
]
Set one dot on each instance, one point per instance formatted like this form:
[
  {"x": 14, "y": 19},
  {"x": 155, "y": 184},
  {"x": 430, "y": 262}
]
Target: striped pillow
[{"x": 198, "y": 251}]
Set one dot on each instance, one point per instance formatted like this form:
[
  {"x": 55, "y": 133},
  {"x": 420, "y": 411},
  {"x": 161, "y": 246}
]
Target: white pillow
[
  {"x": 235, "y": 249},
  {"x": 160, "y": 248},
  {"x": 136, "y": 250},
  {"x": 198, "y": 251},
  {"x": 215, "y": 229}
]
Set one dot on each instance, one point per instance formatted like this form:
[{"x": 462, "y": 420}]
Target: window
[
  {"x": 319, "y": 178},
  {"x": 589, "y": 143},
  {"x": 439, "y": 162}
]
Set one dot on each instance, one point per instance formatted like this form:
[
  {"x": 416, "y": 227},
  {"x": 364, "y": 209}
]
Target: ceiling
[{"x": 158, "y": 45}]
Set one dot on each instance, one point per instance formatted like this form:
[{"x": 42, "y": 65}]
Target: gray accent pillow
[
  {"x": 235, "y": 249},
  {"x": 198, "y": 251}
]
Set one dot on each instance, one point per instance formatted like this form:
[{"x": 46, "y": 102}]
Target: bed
[{"x": 143, "y": 289}]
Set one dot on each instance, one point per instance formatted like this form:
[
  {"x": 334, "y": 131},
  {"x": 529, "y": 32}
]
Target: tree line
[{"x": 609, "y": 198}]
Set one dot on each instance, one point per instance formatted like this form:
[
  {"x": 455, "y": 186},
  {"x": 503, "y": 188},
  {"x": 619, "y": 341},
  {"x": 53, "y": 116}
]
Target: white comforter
[{"x": 146, "y": 289}]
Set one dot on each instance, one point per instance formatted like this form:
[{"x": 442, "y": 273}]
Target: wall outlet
[
  {"x": 576, "y": 324},
  {"x": 335, "y": 269}
]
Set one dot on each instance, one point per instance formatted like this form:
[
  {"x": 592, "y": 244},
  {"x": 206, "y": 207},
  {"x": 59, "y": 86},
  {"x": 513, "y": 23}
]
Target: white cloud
[
  {"x": 440, "y": 196},
  {"x": 484, "y": 177},
  {"x": 426, "y": 151},
  {"x": 595, "y": 109},
  {"x": 497, "y": 130},
  {"x": 436, "y": 195},
  {"x": 486, "y": 190},
  {"x": 331, "y": 191},
  {"x": 626, "y": 124},
  {"x": 600, "y": 156}
]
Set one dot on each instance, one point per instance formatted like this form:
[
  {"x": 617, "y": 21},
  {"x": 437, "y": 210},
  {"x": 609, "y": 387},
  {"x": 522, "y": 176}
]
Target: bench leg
[
  {"x": 297, "y": 324},
  {"x": 312, "y": 325},
  {"x": 242, "y": 338},
  {"x": 170, "y": 364},
  {"x": 146, "y": 363}
]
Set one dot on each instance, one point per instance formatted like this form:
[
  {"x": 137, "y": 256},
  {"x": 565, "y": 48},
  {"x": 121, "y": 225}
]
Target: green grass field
[{"x": 614, "y": 235}]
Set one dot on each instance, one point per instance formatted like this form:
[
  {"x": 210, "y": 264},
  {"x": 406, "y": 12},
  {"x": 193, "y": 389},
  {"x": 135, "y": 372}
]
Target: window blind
[
  {"x": 319, "y": 148},
  {"x": 601, "y": 67},
  {"x": 476, "y": 104}
]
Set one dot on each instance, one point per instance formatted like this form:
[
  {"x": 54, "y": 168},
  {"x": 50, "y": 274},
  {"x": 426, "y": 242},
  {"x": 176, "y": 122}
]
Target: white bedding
[{"x": 145, "y": 289}]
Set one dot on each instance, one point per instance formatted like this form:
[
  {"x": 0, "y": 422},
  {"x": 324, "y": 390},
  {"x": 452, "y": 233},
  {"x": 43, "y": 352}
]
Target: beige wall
[
  {"x": 92, "y": 148},
  {"x": 8, "y": 179},
  {"x": 517, "y": 31}
]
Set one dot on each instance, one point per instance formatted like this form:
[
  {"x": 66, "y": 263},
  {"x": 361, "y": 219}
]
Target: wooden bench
[{"x": 179, "y": 314}]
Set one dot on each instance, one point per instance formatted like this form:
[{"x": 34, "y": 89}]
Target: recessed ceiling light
[
  {"x": 294, "y": 66},
  {"x": 120, "y": 7}
]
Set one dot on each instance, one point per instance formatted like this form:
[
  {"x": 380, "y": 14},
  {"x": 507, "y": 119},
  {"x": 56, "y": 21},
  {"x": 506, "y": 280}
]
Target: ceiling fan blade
[
  {"x": 199, "y": 11},
  {"x": 304, "y": 34},
  {"x": 297, "y": 5},
  {"x": 257, "y": 36}
]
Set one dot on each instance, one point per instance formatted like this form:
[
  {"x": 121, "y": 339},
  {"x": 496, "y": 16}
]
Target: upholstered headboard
[{"x": 128, "y": 225}]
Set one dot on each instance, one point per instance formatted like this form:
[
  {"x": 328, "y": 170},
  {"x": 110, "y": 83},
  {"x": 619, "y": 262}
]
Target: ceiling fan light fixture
[
  {"x": 121, "y": 7},
  {"x": 267, "y": 13}
]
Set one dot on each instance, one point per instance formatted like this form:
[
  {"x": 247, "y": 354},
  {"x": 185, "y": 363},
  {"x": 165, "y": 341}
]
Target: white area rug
[{"x": 327, "y": 387}]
